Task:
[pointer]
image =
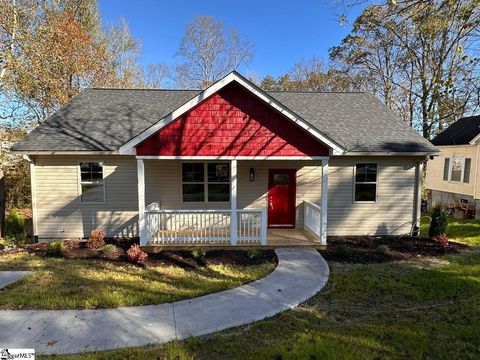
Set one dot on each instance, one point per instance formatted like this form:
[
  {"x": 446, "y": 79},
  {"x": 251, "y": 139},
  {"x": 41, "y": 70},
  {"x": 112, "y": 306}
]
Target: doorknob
[{"x": 271, "y": 203}]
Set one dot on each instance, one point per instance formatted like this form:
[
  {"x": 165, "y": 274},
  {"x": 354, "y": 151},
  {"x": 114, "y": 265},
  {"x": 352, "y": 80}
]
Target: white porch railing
[
  {"x": 312, "y": 218},
  {"x": 205, "y": 226}
]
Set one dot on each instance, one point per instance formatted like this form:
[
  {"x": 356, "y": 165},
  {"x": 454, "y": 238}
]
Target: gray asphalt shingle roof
[
  {"x": 460, "y": 132},
  {"x": 105, "y": 119}
]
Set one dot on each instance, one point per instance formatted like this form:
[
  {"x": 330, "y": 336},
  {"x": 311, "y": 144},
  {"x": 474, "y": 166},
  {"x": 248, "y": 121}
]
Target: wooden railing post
[
  {"x": 233, "y": 202},
  {"x": 263, "y": 230},
  {"x": 142, "y": 224},
  {"x": 324, "y": 211}
]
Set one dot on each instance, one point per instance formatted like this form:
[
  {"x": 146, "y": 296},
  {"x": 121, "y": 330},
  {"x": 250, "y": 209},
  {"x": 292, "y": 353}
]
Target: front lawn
[
  {"x": 60, "y": 283},
  {"x": 420, "y": 308}
]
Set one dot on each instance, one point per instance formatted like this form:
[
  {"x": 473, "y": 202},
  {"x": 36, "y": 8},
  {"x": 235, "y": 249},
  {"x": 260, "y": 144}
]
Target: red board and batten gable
[{"x": 232, "y": 122}]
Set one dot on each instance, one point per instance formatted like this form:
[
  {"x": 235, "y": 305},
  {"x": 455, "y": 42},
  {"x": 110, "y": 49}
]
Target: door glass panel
[{"x": 280, "y": 179}]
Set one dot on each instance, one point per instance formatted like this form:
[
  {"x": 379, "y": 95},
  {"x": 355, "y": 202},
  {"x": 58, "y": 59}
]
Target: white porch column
[
  {"x": 233, "y": 202},
  {"x": 142, "y": 225},
  {"x": 323, "y": 235}
]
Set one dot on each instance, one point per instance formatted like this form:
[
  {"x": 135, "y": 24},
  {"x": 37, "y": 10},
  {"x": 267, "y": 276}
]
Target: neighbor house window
[
  {"x": 457, "y": 169},
  {"x": 91, "y": 182},
  {"x": 366, "y": 182},
  {"x": 205, "y": 182}
]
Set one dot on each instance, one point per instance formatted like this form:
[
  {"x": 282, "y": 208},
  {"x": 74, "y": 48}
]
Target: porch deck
[{"x": 276, "y": 238}]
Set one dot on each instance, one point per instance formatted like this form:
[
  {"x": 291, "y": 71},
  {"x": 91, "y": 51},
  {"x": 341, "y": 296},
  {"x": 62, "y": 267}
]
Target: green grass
[
  {"x": 464, "y": 231},
  {"x": 83, "y": 284},
  {"x": 417, "y": 309}
]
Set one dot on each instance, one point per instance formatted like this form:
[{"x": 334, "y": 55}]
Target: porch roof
[{"x": 106, "y": 119}]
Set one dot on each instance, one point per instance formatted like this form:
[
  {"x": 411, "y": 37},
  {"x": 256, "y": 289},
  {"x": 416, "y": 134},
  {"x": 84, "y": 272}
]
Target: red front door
[{"x": 281, "y": 198}]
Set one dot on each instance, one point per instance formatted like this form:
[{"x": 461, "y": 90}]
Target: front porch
[
  {"x": 246, "y": 222},
  {"x": 276, "y": 238}
]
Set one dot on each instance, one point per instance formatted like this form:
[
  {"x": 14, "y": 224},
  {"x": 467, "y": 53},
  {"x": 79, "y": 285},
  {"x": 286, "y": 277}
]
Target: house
[
  {"x": 231, "y": 164},
  {"x": 453, "y": 178}
]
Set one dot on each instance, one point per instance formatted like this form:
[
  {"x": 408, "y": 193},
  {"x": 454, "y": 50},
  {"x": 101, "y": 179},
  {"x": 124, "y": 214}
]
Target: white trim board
[
  {"x": 201, "y": 158},
  {"x": 129, "y": 147}
]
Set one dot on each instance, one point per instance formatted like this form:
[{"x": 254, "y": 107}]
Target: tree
[
  {"x": 312, "y": 75},
  {"x": 209, "y": 53},
  {"x": 421, "y": 58}
]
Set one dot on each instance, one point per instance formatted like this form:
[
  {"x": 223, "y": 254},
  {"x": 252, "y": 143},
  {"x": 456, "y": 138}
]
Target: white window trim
[
  {"x": 355, "y": 183},
  {"x": 205, "y": 183},
  {"x": 450, "y": 167},
  {"x": 79, "y": 182}
]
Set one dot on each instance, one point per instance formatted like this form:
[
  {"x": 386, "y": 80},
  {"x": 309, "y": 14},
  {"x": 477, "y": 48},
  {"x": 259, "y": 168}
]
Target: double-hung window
[
  {"x": 205, "y": 182},
  {"x": 457, "y": 169},
  {"x": 91, "y": 182},
  {"x": 365, "y": 182}
]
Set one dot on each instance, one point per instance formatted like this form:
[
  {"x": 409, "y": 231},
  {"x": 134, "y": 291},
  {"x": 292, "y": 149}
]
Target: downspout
[
  {"x": 417, "y": 199},
  {"x": 33, "y": 190}
]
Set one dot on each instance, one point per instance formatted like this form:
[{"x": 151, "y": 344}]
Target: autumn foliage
[
  {"x": 136, "y": 254},
  {"x": 96, "y": 239}
]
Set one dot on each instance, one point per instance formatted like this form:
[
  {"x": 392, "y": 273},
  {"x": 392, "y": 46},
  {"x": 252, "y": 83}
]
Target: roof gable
[
  {"x": 232, "y": 123},
  {"x": 128, "y": 148}
]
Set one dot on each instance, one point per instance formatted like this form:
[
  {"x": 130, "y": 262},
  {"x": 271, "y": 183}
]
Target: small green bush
[
  {"x": 199, "y": 253},
  {"x": 439, "y": 223},
  {"x": 55, "y": 248},
  {"x": 6, "y": 243},
  {"x": 15, "y": 226},
  {"x": 254, "y": 253},
  {"x": 108, "y": 249},
  {"x": 342, "y": 251},
  {"x": 383, "y": 249}
]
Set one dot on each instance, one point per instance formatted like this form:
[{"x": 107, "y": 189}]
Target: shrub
[
  {"x": 55, "y": 248},
  {"x": 254, "y": 253},
  {"x": 438, "y": 225},
  {"x": 441, "y": 240},
  {"x": 15, "y": 226},
  {"x": 6, "y": 243},
  {"x": 383, "y": 249},
  {"x": 136, "y": 255},
  {"x": 108, "y": 249},
  {"x": 199, "y": 253},
  {"x": 342, "y": 251},
  {"x": 95, "y": 240}
]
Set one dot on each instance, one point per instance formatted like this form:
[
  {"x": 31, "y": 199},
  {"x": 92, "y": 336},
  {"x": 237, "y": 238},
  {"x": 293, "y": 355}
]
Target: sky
[{"x": 283, "y": 31}]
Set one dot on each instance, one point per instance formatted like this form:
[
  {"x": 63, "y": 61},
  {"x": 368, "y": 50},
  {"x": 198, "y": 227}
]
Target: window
[
  {"x": 457, "y": 169},
  {"x": 366, "y": 182},
  {"x": 91, "y": 182},
  {"x": 196, "y": 187}
]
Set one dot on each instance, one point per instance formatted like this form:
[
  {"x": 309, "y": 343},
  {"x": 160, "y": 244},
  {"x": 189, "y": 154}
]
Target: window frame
[
  {"x": 462, "y": 174},
  {"x": 355, "y": 183},
  {"x": 205, "y": 182},
  {"x": 80, "y": 183}
]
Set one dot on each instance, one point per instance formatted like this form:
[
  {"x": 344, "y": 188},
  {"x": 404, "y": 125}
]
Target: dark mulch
[
  {"x": 76, "y": 249},
  {"x": 367, "y": 249}
]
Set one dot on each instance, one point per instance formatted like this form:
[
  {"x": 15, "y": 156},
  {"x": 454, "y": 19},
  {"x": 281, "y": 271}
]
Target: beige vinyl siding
[
  {"x": 435, "y": 180},
  {"x": 61, "y": 214},
  {"x": 395, "y": 197}
]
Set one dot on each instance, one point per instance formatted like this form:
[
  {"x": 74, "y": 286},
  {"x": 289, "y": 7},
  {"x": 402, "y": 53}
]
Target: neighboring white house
[
  {"x": 227, "y": 165},
  {"x": 453, "y": 178}
]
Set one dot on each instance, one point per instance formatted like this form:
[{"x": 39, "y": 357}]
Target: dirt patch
[
  {"x": 366, "y": 249},
  {"x": 76, "y": 249}
]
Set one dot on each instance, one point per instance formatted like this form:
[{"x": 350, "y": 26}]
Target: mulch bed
[
  {"x": 76, "y": 249},
  {"x": 367, "y": 249}
]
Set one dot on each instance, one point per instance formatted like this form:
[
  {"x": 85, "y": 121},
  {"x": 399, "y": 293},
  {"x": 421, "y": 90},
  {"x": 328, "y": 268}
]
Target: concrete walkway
[
  {"x": 300, "y": 274},
  {"x": 9, "y": 277}
]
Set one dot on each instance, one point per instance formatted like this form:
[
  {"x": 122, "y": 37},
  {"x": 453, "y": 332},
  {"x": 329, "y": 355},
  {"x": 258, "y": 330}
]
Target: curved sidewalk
[{"x": 300, "y": 274}]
